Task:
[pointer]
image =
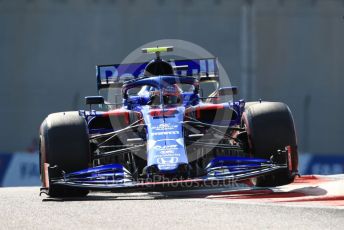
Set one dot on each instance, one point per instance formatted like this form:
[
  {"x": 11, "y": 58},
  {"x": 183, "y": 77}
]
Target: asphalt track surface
[{"x": 310, "y": 203}]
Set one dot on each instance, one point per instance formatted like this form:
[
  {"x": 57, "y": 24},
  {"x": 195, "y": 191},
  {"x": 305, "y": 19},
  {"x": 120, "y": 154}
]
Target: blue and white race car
[{"x": 161, "y": 132}]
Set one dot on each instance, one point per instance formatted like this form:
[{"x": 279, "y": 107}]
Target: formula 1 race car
[{"x": 159, "y": 130}]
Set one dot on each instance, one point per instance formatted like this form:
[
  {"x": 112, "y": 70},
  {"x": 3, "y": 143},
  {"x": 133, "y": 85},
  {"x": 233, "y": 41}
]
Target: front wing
[{"x": 113, "y": 177}]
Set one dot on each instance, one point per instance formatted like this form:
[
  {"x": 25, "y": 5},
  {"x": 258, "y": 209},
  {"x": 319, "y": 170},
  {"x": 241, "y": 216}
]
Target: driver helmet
[{"x": 171, "y": 95}]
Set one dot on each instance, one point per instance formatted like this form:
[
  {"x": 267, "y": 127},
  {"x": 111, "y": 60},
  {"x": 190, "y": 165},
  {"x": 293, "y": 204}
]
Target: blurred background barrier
[
  {"x": 276, "y": 50},
  {"x": 19, "y": 169},
  {"x": 323, "y": 164},
  {"x": 22, "y": 169}
]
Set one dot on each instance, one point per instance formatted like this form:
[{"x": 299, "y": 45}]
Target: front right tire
[{"x": 64, "y": 142}]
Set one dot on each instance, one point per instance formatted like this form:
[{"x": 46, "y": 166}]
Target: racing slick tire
[
  {"x": 64, "y": 143},
  {"x": 270, "y": 127}
]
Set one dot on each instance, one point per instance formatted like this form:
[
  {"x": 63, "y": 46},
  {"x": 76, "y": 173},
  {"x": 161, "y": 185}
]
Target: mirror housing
[
  {"x": 227, "y": 91},
  {"x": 94, "y": 100}
]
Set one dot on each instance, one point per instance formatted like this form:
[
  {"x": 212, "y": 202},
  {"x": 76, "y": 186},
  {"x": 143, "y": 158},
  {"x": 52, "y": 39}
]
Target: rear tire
[
  {"x": 270, "y": 127},
  {"x": 64, "y": 142}
]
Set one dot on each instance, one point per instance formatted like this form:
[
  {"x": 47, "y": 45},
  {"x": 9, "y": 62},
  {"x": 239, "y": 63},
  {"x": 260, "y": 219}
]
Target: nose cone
[{"x": 165, "y": 148}]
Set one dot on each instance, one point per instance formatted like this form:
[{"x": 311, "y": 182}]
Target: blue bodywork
[
  {"x": 165, "y": 137},
  {"x": 165, "y": 140}
]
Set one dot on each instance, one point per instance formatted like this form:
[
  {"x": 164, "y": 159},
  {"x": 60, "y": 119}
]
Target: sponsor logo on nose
[{"x": 167, "y": 160}]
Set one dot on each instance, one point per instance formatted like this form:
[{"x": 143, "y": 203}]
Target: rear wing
[{"x": 204, "y": 69}]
